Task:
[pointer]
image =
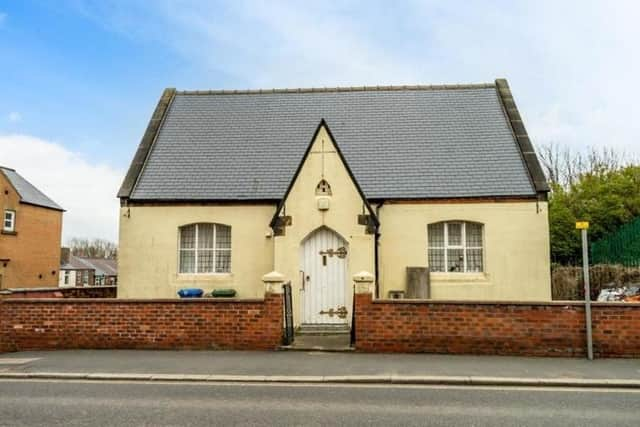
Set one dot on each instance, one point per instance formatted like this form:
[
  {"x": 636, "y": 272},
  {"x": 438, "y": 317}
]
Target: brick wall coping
[
  {"x": 521, "y": 303},
  {"x": 57, "y": 289},
  {"x": 131, "y": 301}
]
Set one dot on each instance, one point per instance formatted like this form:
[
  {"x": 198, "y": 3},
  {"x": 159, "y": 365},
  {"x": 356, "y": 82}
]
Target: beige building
[{"x": 435, "y": 190}]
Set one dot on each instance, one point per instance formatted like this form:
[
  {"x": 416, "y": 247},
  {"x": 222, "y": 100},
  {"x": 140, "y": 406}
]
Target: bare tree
[
  {"x": 94, "y": 248},
  {"x": 564, "y": 166}
]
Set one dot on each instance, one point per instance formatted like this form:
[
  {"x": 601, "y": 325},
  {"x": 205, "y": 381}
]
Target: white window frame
[
  {"x": 195, "y": 248},
  {"x": 11, "y": 218},
  {"x": 446, "y": 246}
]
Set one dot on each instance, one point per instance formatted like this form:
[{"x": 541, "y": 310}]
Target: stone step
[{"x": 323, "y": 329}]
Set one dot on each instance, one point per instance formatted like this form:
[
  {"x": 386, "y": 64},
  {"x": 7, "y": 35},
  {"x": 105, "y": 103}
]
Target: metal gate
[{"x": 287, "y": 336}]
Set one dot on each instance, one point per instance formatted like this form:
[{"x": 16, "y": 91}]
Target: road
[{"x": 72, "y": 403}]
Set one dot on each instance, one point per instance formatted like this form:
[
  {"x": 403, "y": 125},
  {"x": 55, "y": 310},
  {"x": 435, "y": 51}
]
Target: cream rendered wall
[
  {"x": 148, "y": 251},
  {"x": 301, "y": 205},
  {"x": 516, "y": 249}
]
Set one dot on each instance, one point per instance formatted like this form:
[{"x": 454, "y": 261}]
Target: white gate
[{"x": 324, "y": 276}]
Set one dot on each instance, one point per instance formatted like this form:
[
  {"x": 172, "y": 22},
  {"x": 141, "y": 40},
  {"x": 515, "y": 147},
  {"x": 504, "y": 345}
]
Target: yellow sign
[{"x": 582, "y": 225}]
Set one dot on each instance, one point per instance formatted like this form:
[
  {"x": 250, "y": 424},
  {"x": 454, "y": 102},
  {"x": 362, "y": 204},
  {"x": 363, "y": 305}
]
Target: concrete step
[{"x": 323, "y": 329}]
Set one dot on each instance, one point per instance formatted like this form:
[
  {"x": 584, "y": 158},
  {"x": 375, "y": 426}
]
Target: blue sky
[{"x": 80, "y": 79}]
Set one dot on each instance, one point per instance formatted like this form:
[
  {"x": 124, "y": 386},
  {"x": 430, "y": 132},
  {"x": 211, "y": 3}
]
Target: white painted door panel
[{"x": 324, "y": 294}]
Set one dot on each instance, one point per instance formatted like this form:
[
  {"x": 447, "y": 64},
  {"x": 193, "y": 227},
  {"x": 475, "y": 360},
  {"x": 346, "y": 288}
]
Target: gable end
[{"x": 275, "y": 223}]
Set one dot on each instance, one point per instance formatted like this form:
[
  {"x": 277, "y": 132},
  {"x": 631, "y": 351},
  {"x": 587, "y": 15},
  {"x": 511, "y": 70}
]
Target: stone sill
[
  {"x": 212, "y": 277},
  {"x": 462, "y": 278},
  {"x": 9, "y": 233}
]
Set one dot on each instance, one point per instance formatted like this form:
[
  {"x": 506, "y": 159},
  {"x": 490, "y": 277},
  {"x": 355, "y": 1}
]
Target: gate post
[
  {"x": 274, "y": 284},
  {"x": 363, "y": 284}
]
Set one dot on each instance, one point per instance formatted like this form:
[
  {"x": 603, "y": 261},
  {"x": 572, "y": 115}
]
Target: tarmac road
[{"x": 86, "y": 403}]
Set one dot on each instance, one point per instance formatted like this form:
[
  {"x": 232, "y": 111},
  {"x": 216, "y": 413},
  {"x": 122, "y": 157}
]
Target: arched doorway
[{"x": 323, "y": 262}]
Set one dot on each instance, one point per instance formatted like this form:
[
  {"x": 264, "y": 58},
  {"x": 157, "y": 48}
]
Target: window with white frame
[
  {"x": 455, "y": 246},
  {"x": 9, "y": 222},
  {"x": 205, "y": 248}
]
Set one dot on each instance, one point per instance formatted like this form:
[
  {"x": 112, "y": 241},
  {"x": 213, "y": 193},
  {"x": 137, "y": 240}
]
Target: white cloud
[
  {"x": 14, "y": 117},
  {"x": 86, "y": 189},
  {"x": 570, "y": 63}
]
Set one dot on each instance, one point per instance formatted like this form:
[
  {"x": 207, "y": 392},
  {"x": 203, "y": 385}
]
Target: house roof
[
  {"x": 399, "y": 141},
  {"x": 27, "y": 192},
  {"x": 102, "y": 266}
]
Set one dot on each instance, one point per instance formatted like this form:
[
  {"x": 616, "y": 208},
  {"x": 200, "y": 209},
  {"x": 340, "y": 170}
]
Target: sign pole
[{"x": 583, "y": 226}]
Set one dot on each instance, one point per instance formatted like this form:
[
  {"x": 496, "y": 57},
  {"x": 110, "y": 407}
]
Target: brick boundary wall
[
  {"x": 495, "y": 328},
  {"x": 71, "y": 292},
  {"x": 56, "y": 324}
]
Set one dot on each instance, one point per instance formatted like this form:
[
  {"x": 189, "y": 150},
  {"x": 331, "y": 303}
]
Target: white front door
[{"x": 324, "y": 273}]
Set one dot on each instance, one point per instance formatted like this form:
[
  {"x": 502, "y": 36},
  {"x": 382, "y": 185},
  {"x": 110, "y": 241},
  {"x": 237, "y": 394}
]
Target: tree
[
  {"x": 94, "y": 248},
  {"x": 602, "y": 187}
]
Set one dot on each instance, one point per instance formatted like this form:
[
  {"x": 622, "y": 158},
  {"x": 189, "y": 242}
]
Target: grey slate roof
[
  {"x": 101, "y": 266},
  {"x": 427, "y": 142},
  {"x": 28, "y": 193}
]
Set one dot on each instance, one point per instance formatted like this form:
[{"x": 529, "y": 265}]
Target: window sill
[
  {"x": 462, "y": 278},
  {"x": 9, "y": 233},
  {"x": 209, "y": 277}
]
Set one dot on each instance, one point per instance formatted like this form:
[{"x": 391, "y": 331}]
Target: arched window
[
  {"x": 205, "y": 248},
  {"x": 323, "y": 188},
  {"x": 456, "y": 246}
]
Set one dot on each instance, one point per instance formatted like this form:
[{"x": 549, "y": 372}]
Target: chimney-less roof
[
  {"x": 28, "y": 193},
  {"x": 401, "y": 142}
]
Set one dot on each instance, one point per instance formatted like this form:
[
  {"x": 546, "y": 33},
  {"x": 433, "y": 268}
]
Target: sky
[{"x": 80, "y": 79}]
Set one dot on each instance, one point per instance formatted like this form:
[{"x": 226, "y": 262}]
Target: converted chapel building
[{"x": 320, "y": 184}]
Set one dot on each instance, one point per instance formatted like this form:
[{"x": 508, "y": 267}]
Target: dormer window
[
  {"x": 9, "y": 222},
  {"x": 323, "y": 188}
]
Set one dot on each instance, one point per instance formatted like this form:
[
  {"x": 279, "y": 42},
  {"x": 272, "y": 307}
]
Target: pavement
[
  {"x": 120, "y": 403},
  {"x": 318, "y": 367}
]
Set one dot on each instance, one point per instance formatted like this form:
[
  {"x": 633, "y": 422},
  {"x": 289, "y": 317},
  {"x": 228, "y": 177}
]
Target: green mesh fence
[{"x": 621, "y": 247}]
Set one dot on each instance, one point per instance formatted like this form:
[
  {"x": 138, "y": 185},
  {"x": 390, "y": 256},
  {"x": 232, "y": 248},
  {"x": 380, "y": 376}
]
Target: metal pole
[{"x": 587, "y": 293}]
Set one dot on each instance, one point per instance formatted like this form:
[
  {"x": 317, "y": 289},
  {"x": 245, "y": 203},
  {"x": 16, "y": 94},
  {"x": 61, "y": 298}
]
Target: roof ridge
[
  {"x": 337, "y": 89},
  {"x": 7, "y": 168}
]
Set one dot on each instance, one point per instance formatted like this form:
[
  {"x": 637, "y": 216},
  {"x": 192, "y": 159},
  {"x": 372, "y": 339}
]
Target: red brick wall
[
  {"x": 30, "y": 324},
  {"x": 520, "y": 329},
  {"x": 616, "y": 329}
]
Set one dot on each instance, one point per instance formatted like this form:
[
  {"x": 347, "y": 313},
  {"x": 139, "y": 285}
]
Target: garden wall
[
  {"x": 71, "y": 292},
  {"x": 495, "y": 328},
  {"x": 44, "y": 324}
]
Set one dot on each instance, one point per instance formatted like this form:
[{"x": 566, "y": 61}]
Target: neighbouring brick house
[
  {"x": 439, "y": 182},
  {"x": 30, "y": 234},
  {"x": 82, "y": 271}
]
